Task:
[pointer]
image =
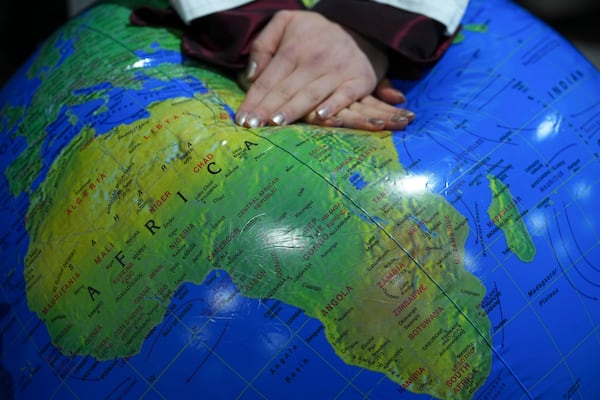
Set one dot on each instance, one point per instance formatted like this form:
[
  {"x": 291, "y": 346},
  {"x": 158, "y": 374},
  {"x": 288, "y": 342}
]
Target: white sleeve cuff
[
  {"x": 189, "y": 10},
  {"x": 448, "y": 12}
]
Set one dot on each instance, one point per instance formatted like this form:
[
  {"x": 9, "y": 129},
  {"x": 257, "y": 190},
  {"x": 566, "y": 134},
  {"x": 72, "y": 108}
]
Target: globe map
[{"x": 153, "y": 249}]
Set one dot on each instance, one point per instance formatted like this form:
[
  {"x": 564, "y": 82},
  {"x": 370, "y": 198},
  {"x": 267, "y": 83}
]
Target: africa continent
[{"x": 299, "y": 214}]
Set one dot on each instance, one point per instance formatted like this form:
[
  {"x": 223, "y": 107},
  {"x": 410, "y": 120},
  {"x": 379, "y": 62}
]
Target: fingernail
[
  {"x": 278, "y": 119},
  {"x": 332, "y": 122},
  {"x": 254, "y": 122},
  {"x": 399, "y": 118},
  {"x": 241, "y": 118},
  {"x": 376, "y": 121},
  {"x": 337, "y": 122},
  {"x": 401, "y": 95},
  {"x": 323, "y": 112},
  {"x": 410, "y": 114},
  {"x": 251, "y": 69}
]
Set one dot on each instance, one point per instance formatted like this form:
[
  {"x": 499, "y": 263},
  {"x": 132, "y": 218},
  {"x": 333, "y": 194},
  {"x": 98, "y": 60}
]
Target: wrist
[{"x": 375, "y": 52}]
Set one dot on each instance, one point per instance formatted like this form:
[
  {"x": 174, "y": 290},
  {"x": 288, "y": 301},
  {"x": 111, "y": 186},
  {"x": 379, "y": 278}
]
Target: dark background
[{"x": 24, "y": 24}]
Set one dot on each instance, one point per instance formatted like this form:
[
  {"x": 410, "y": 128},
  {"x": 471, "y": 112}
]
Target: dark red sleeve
[
  {"x": 413, "y": 41},
  {"x": 222, "y": 38}
]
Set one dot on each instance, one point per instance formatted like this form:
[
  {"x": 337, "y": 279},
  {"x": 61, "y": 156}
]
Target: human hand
[
  {"x": 371, "y": 113},
  {"x": 300, "y": 63}
]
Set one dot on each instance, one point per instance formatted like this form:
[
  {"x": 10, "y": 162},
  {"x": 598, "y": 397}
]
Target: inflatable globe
[{"x": 153, "y": 249}]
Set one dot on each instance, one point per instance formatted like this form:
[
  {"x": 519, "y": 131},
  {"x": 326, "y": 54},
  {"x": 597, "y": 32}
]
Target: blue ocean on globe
[{"x": 153, "y": 249}]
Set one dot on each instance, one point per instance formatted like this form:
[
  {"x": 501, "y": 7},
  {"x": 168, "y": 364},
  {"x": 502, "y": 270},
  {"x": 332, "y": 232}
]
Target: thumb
[{"x": 386, "y": 92}]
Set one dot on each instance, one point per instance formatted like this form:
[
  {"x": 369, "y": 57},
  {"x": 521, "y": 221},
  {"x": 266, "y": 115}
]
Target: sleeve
[
  {"x": 413, "y": 40},
  {"x": 189, "y": 10},
  {"x": 221, "y": 38},
  {"x": 448, "y": 12}
]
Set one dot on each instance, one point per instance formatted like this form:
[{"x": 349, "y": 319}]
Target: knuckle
[
  {"x": 348, "y": 93},
  {"x": 313, "y": 95},
  {"x": 259, "y": 46},
  {"x": 261, "y": 86},
  {"x": 282, "y": 14},
  {"x": 285, "y": 93},
  {"x": 288, "y": 53},
  {"x": 319, "y": 57}
]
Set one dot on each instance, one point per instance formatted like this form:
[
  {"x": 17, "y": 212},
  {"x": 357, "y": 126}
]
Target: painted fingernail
[
  {"x": 241, "y": 118},
  {"x": 399, "y": 118},
  {"x": 254, "y": 122},
  {"x": 278, "y": 119},
  {"x": 376, "y": 121},
  {"x": 323, "y": 112},
  {"x": 251, "y": 69}
]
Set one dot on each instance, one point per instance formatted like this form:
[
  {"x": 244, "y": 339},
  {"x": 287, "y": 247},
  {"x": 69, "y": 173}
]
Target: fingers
[
  {"x": 284, "y": 93},
  {"x": 290, "y": 100},
  {"x": 315, "y": 119},
  {"x": 344, "y": 95},
  {"x": 263, "y": 49},
  {"x": 386, "y": 92},
  {"x": 273, "y": 86},
  {"x": 265, "y": 45},
  {"x": 293, "y": 98},
  {"x": 300, "y": 62},
  {"x": 369, "y": 114}
]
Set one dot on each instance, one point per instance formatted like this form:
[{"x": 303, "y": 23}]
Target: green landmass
[
  {"x": 325, "y": 220},
  {"x": 125, "y": 218},
  {"x": 87, "y": 66},
  {"x": 504, "y": 213}
]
